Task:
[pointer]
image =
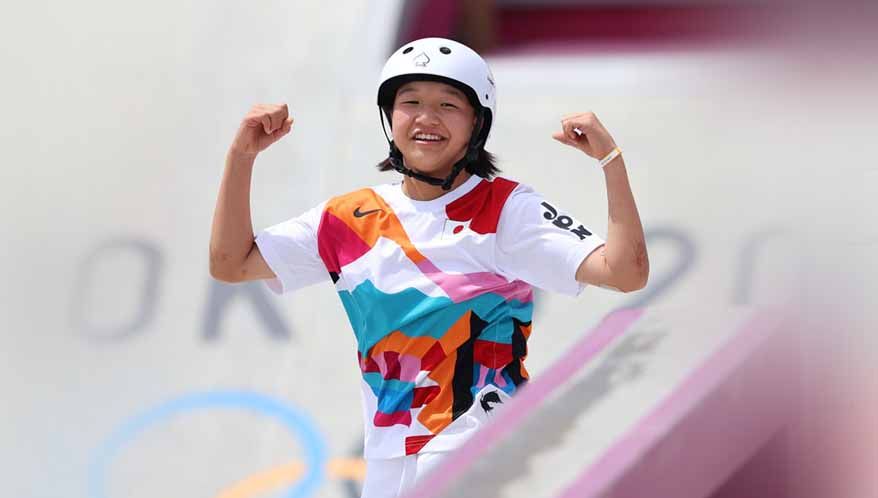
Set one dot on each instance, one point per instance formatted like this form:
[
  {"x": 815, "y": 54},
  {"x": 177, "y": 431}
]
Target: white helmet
[
  {"x": 446, "y": 61},
  {"x": 439, "y": 59}
]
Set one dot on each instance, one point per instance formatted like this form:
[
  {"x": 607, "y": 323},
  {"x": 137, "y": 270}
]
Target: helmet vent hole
[
  {"x": 407, "y": 50},
  {"x": 487, "y": 97},
  {"x": 445, "y": 50}
]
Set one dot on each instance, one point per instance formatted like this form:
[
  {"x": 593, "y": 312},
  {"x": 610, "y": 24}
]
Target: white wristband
[{"x": 609, "y": 157}]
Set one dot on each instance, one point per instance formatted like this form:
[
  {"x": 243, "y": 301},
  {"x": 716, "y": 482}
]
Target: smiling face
[{"x": 432, "y": 124}]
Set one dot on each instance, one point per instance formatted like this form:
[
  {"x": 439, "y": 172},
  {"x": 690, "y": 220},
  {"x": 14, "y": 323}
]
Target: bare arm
[
  {"x": 233, "y": 253},
  {"x": 234, "y": 256},
  {"x": 622, "y": 264}
]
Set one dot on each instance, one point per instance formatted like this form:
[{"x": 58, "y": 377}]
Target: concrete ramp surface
[{"x": 656, "y": 402}]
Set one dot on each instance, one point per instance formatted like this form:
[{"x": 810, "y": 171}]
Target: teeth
[{"x": 427, "y": 136}]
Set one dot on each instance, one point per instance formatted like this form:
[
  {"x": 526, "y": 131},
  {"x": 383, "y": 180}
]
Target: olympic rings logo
[
  {"x": 301, "y": 479},
  {"x": 353, "y": 469}
]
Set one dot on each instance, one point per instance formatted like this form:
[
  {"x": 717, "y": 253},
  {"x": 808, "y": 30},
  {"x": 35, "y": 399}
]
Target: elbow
[
  {"x": 634, "y": 275},
  {"x": 631, "y": 286},
  {"x": 222, "y": 275},
  {"x": 639, "y": 272},
  {"x": 635, "y": 278},
  {"x": 636, "y": 283},
  {"x": 629, "y": 282},
  {"x": 225, "y": 278},
  {"x": 220, "y": 269},
  {"x": 640, "y": 278}
]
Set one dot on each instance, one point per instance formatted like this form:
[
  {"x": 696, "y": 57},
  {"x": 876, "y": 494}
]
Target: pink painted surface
[
  {"x": 526, "y": 401},
  {"x": 685, "y": 446}
]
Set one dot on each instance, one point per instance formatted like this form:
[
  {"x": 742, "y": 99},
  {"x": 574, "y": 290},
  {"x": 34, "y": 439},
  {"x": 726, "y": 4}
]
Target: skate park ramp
[{"x": 656, "y": 402}]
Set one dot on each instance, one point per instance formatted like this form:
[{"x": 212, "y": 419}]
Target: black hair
[{"x": 484, "y": 166}]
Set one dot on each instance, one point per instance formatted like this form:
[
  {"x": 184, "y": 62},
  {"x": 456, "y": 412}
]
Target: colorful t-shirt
[{"x": 438, "y": 293}]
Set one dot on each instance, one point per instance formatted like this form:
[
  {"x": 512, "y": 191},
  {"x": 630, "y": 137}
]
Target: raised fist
[
  {"x": 263, "y": 125},
  {"x": 585, "y": 132}
]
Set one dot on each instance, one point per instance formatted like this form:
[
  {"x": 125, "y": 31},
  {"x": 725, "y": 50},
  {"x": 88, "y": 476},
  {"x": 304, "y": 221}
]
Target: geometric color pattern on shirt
[
  {"x": 438, "y": 294},
  {"x": 421, "y": 353}
]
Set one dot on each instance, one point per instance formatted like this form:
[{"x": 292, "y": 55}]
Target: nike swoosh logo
[{"x": 360, "y": 214}]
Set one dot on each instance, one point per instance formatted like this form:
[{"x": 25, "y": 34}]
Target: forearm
[
  {"x": 622, "y": 263},
  {"x": 232, "y": 231},
  {"x": 625, "y": 251}
]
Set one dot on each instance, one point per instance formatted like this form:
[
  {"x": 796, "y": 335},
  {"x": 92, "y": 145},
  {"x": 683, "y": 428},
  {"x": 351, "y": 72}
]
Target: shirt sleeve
[
  {"x": 542, "y": 244},
  {"x": 290, "y": 250}
]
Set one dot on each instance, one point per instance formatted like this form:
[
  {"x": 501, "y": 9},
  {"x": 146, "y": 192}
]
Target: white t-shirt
[{"x": 438, "y": 294}]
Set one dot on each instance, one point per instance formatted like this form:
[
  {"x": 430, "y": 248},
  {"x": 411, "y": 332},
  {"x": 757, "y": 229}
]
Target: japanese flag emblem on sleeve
[{"x": 455, "y": 229}]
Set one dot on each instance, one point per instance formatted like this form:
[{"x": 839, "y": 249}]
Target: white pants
[{"x": 391, "y": 477}]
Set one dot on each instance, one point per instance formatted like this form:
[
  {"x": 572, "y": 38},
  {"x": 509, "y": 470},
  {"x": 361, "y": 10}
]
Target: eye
[{"x": 449, "y": 104}]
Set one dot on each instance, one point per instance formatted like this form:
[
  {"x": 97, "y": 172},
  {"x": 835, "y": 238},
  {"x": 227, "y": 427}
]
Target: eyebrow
[
  {"x": 455, "y": 92},
  {"x": 450, "y": 91}
]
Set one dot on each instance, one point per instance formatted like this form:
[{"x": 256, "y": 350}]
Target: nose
[{"x": 427, "y": 116}]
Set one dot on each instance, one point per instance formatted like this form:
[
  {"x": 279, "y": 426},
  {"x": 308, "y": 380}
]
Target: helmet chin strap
[{"x": 472, "y": 153}]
